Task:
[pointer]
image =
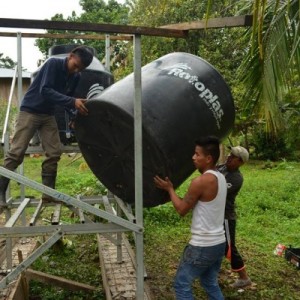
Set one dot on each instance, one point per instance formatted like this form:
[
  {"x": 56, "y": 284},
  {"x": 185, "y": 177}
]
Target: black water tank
[{"x": 183, "y": 98}]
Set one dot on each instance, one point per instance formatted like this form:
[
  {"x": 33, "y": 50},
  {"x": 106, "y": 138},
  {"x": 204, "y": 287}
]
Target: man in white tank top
[{"x": 206, "y": 196}]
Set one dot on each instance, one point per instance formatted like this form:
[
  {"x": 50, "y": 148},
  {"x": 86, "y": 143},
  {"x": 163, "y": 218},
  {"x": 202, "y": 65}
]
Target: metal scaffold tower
[{"x": 114, "y": 223}]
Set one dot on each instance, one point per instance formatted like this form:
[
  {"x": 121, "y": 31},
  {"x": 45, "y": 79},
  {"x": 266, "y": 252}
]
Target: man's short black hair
[
  {"x": 210, "y": 146},
  {"x": 86, "y": 56}
]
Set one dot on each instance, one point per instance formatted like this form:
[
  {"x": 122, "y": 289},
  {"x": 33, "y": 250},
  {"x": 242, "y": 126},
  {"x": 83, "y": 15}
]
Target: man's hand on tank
[
  {"x": 164, "y": 184},
  {"x": 79, "y": 105}
]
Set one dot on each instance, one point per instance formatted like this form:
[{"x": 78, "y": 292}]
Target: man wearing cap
[{"x": 234, "y": 178}]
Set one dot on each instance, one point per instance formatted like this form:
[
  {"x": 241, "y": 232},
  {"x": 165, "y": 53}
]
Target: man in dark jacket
[
  {"x": 234, "y": 178},
  {"x": 53, "y": 85}
]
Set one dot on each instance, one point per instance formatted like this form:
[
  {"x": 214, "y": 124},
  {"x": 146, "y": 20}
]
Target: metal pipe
[
  {"x": 13, "y": 83},
  {"x": 107, "y": 52},
  {"x": 138, "y": 166}
]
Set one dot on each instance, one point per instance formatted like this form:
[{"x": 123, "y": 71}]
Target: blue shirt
[{"x": 52, "y": 86}]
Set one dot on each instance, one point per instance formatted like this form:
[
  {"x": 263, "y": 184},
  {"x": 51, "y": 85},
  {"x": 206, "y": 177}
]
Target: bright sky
[{"x": 31, "y": 9}]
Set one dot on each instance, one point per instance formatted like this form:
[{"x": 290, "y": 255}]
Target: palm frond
[{"x": 269, "y": 67}]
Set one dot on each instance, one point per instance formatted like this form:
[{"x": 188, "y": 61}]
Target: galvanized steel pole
[
  {"x": 138, "y": 166},
  {"x": 107, "y": 52},
  {"x": 20, "y": 96}
]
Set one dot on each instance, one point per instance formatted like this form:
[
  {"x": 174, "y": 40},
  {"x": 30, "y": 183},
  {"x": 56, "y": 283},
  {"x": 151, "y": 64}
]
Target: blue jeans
[{"x": 203, "y": 263}]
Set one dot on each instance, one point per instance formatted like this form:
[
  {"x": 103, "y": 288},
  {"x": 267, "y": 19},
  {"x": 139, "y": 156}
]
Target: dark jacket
[
  {"x": 234, "y": 181},
  {"x": 52, "y": 86}
]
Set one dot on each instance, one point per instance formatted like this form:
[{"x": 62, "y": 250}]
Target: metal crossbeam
[
  {"x": 70, "y": 200},
  {"x": 88, "y": 228},
  {"x": 14, "y": 218},
  {"x": 30, "y": 259},
  {"x": 124, "y": 209}
]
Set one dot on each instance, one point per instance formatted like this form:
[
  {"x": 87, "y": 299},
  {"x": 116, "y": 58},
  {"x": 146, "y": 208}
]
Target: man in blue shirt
[{"x": 53, "y": 85}]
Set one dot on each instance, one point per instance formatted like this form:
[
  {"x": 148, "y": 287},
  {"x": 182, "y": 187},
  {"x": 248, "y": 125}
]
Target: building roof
[{"x": 9, "y": 73}]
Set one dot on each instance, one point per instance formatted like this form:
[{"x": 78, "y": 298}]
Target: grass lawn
[{"x": 268, "y": 210}]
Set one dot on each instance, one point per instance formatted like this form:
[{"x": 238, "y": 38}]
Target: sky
[{"x": 31, "y": 9}]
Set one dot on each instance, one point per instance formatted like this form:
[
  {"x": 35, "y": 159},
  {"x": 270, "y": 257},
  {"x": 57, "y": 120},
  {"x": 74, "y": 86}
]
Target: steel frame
[
  {"x": 119, "y": 224},
  {"x": 116, "y": 224}
]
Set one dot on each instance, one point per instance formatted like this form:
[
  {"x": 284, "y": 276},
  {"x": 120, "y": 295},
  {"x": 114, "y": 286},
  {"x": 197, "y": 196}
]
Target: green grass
[
  {"x": 268, "y": 214},
  {"x": 268, "y": 210}
]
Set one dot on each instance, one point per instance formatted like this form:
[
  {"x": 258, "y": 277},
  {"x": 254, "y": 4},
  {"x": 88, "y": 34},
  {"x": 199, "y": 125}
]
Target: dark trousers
[
  {"x": 236, "y": 260},
  {"x": 26, "y": 126}
]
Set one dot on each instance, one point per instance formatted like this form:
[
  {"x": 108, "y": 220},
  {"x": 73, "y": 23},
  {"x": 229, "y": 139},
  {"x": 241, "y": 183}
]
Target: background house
[{"x": 6, "y": 77}]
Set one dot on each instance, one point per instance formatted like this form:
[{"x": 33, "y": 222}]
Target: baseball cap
[{"x": 240, "y": 152}]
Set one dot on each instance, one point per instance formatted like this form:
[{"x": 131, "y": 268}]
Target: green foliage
[
  {"x": 6, "y": 62},
  {"x": 57, "y": 261},
  {"x": 271, "y": 63},
  {"x": 250, "y": 75},
  {"x": 79, "y": 182},
  {"x": 163, "y": 215},
  {"x": 95, "y": 11},
  {"x": 82, "y": 182},
  {"x": 153, "y": 13},
  {"x": 271, "y": 147}
]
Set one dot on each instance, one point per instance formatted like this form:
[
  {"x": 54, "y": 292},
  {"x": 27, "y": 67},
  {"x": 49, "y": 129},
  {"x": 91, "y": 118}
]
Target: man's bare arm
[{"x": 182, "y": 206}]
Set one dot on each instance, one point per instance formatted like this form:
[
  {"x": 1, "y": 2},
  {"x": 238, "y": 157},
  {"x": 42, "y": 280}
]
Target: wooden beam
[
  {"x": 67, "y": 36},
  {"x": 238, "y": 21},
  {"x": 23, "y": 280},
  {"x": 103, "y": 271},
  {"x": 92, "y": 27},
  {"x": 17, "y": 292},
  {"x": 58, "y": 281}
]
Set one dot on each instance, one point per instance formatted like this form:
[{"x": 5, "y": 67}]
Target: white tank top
[{"x": 208, "y": 217}]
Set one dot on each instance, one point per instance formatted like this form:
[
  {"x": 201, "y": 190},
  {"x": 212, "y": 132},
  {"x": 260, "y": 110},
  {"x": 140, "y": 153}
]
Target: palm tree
[{"x": 272, "y": 60}]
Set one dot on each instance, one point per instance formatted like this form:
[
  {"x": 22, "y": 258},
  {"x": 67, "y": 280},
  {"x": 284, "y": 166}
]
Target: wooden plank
[
  {"x": 92, "y": 27},
  {"x": 23, "y": 280},
  {"x": 119, "y": 278},
  {"x": 68, "y": 36},
  {"x": 103, "y": 270},
  {"x": 58, "y": 281},
  {"x": 17, "y": 292},
  {"x": 238, "y": 21}
]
